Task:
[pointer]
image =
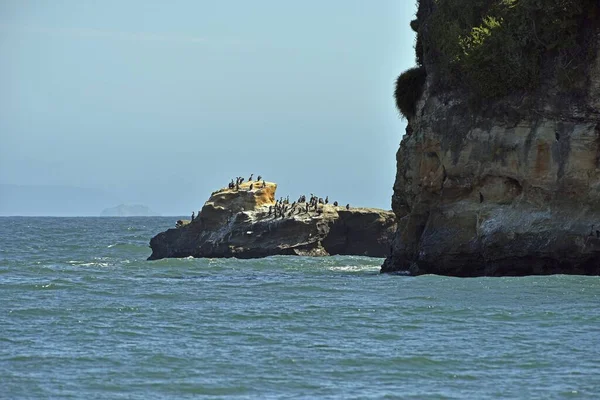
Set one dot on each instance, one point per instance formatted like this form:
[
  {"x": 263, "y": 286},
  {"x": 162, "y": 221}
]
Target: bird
[
  {"x": 326, "y": 199},
  {"x": 348, "y": 206},
  {"x": 249, "y": 179},
  {"x": 335, "y": 203},
  {"x": 259, "y": 178},
  {"x": 251, "y": 186}
]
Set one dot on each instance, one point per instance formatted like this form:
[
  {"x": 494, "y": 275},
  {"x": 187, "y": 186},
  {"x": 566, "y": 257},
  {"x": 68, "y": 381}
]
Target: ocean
[{"x": 83, "y": 315}]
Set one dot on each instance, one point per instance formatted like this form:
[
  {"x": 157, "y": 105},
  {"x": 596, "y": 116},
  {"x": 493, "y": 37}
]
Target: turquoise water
[{"x": 83, "y": 315}]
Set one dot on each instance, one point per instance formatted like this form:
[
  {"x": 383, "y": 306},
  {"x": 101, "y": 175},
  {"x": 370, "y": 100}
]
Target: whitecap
[{"x": 355, "y": 268}]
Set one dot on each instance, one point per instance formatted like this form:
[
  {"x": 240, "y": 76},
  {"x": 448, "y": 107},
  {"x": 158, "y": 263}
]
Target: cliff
[
  {"x": 504, "y": 185},
  {"x": 241, "y": 223}
]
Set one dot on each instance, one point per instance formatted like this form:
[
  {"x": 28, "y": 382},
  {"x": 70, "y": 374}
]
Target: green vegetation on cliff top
[{"x": 491, "y": 48}]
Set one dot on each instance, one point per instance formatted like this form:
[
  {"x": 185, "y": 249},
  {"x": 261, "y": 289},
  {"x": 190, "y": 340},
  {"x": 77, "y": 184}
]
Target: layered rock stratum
[
  {"x": 513, "y": 189},
  {"x": 241, "y": 223}
]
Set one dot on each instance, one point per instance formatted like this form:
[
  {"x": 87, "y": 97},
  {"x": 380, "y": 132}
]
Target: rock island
[{"x": 245, "y": 221}]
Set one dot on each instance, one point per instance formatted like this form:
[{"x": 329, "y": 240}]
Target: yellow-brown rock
[{"x": 241, "y": 223}]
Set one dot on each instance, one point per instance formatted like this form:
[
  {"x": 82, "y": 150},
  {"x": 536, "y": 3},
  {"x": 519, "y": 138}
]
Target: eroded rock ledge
[{"x": 237, "y": 223}]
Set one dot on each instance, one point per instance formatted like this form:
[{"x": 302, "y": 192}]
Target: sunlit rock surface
[{"x": 237, "y": 223}]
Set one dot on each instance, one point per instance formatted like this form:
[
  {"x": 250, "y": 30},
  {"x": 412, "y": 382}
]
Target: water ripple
[{"x": 83, "y": 315}]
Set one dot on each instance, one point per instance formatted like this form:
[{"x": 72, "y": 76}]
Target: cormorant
[
  {"x": 193, "y": 214},
  {"x": 321, "y": 200},
  {"x": 326, "y": 199},
  {"x": 480, "y": 197},
  {"x": 264, "y": 184},
  {"x": 348, "y": 206},
  {"x": 249, "y": 179},
  {"x": 259, "y": 178},
  {"x": 251, "y": 186},
  {"x": 335, "y": 203}
]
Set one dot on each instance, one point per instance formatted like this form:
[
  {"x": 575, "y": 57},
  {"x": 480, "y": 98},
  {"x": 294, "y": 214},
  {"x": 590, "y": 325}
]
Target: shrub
[
  {"x": 419, "y": 50},
  {"x": 409, "y": 88},
  {"x": 494, "y": 47}
]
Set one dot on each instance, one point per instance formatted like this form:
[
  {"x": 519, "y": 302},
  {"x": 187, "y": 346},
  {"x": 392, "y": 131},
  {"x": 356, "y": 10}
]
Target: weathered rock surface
[
  {"x": 236, "y": 223},
  {"x": 514, "y": 190}
]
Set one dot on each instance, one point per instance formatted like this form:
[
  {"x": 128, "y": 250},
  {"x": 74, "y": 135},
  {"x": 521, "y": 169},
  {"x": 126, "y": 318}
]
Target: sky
[{"x": 160, "y": 103}]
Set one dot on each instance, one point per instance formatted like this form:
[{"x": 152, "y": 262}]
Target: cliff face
[
  {"x": 511, "y": 190},
  {"x": 239, "y": 223}
]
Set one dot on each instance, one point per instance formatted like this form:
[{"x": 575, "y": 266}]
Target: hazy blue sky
[{"x": 162, "y": 102}]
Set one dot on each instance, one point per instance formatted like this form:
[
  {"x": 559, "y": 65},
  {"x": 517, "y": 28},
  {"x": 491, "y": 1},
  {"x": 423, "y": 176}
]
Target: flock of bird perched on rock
[
  {"x": 282, "y": 207},
  {"x": 239, "y": 180}
]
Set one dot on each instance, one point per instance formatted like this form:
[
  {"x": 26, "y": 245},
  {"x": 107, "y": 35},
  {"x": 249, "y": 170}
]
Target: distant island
[
  {"x": 53, "y": 200},
  {"x": 126, "y": 210}
]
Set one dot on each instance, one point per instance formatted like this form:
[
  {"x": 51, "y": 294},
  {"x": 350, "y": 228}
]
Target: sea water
[{"x": 84, "y": 315}]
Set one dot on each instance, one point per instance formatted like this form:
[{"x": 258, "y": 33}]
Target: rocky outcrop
[
  {"x": 513, "y": 189},
  {"x": 239, "y": 223}
]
